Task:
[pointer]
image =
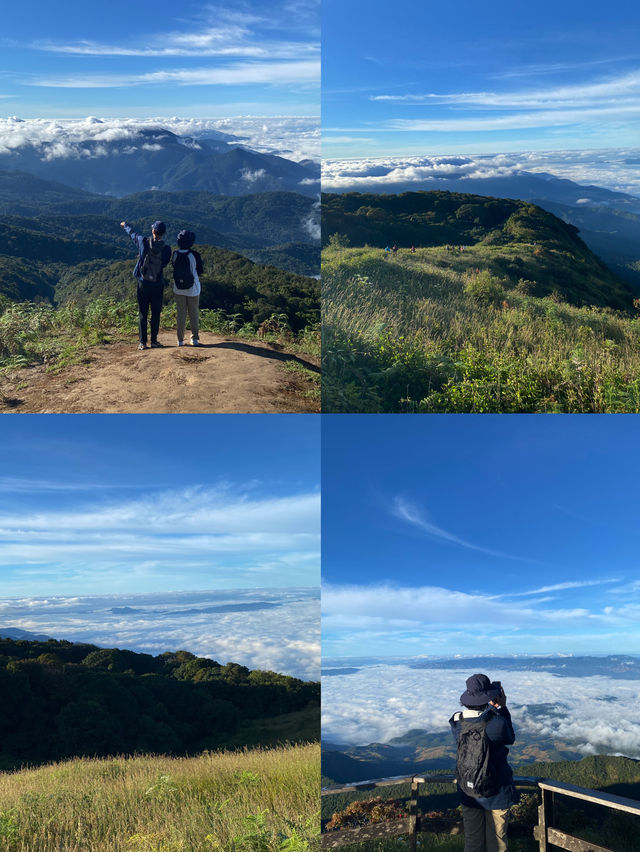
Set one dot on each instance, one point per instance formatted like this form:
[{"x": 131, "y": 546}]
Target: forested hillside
[{"x": 62, "y": 700}]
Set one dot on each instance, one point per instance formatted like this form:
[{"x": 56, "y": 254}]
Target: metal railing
[{"x": 411, "y": 825}]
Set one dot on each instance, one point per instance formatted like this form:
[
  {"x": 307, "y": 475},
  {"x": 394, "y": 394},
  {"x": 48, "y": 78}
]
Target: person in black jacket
[
  {"x": 486, "y": 817},
  {"x": 153, "y": 256}
]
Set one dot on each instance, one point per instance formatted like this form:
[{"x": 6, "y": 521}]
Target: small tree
[{"x": 339, "y": 241}]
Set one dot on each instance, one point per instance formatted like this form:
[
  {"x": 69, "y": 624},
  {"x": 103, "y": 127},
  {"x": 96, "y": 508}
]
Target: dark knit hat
[{"x": 159, "y": 227}]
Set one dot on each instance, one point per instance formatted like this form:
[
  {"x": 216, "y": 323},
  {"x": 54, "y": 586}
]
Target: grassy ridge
[
  {"x": 442, "y": 331},
  {"x": 246, "y": 801}
]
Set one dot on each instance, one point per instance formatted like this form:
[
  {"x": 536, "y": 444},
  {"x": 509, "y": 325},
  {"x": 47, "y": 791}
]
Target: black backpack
[
  {"x": 182, "y": 274},
  {"x": 475, "y": 773},
  {"x": 151, "y": 266},
  {"x": 199, "y": 266}
]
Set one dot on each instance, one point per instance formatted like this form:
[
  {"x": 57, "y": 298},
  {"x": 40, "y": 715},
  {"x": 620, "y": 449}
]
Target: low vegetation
[
  {"x": 244, "y": 801},
  {"x": 37, "y": 333}
]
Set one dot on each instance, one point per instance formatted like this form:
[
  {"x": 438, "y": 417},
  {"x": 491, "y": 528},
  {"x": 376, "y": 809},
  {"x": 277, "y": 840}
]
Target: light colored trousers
[
  {"x": 184, "y": 304},
  {"x": 485, "y": 831}
]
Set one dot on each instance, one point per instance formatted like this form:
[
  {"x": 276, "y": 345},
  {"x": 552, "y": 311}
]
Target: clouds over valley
[
  {"x": 613, "y": 169},
  {"x": 290, "y": 137},
  {"x": 593, "y": 714},
  {"x": 272, "y": 629}
]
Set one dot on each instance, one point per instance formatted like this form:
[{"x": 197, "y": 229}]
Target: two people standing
[
  {"x": 483, "y": 730},
  {"x": 153, "y": 256}
]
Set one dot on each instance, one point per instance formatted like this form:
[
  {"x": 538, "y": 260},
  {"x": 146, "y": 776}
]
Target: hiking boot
[
  {"x": 181, "y": 343},
  {"x": 155, "y": 344},
  {"x": 142, "y": 345},
  {"x": 195, "y": 341}
]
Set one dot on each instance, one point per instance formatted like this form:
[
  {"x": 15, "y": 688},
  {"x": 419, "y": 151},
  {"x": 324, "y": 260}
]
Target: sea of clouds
[
  {"x": 293, "y": 137},
  {"x": 614, "y": 169},
  {"x": 598, "y": 714},
  {"x": 272, "y": 629}
]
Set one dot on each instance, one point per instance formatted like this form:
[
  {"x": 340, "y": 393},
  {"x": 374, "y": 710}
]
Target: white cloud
[
  {"x": 250, "y": 176},
  {"x": 390, "y": 609},
  {"x": 312, "y": 223},
  {"x": 598, "y": 714}
]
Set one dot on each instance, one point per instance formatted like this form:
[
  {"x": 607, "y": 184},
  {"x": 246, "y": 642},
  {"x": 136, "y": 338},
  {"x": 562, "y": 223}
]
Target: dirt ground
[{"x": 223, "y": 375}]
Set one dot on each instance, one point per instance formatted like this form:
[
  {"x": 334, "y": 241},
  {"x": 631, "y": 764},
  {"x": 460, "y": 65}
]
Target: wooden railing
[{"x": 411, "y": 825}]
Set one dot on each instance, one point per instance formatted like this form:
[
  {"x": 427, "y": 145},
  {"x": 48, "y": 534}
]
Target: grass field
[
  {"x": 243, "y": 801},
  {"x": 437, "y": 331}
]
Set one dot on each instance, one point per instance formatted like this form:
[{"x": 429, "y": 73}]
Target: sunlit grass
[
  {"x": 258, "y": 801},
  {"x": 426, "y": 333}
]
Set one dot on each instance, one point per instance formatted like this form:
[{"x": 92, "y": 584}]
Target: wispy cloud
[
  {"x": 226, "y": 532},
  {"x": 216, "y": 31},
  {"x": 562, "y": 587},
  {"x": 520, "y": 121},
  {"x": 617, "y": 91},
  {"x": 305, "y": 72},
  {"x": 410, "y": 513}
]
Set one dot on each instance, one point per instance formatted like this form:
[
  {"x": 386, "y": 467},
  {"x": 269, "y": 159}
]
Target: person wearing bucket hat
[
  {"x": 187, "y": 267},
  {"x": 153, "y": 256},
  {"x": 483, "y": 730}
]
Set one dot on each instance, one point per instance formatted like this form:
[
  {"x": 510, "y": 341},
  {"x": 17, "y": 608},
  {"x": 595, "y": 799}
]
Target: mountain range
[{"x": 159, "y": 159}]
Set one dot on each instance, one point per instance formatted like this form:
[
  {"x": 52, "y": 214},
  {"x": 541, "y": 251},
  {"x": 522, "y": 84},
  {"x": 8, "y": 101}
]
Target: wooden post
[
  {"x": 540, "y": 831},
  {"x": 413, "y": 815}
]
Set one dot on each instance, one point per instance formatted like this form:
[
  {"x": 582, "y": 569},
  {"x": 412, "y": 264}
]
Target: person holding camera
[{"x": 483, "y": 730}]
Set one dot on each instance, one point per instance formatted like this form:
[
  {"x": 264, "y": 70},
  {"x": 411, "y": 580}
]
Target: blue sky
[
  {"x": 414, "y": 78},
  {"x": 190, "y": 59},
  {"x": 480, "y": 534},
  {"x": 103, "y": 504}
]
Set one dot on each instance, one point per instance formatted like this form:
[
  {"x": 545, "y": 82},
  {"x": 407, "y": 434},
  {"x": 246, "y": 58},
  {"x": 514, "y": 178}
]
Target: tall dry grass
[{"x": 243, "y": 801}]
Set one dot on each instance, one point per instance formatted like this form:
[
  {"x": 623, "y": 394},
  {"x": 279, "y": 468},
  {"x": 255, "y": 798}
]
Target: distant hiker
[
  {"x": 394, "y": 249},
  {"x": 388, "y": 249},
  {"x": 412, "y": 249},
  {"x": 153, "y": 256},
  {"x": 187, "y": 266},
  {"x": 482, "y": 731}
]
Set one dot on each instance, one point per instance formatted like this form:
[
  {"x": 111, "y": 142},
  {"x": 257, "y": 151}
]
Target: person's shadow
[{"x": 262, "y": 353}]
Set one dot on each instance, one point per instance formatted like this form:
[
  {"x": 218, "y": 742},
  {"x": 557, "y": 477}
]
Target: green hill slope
[
  {"x": 524, "y": 319},
  {"x": 522, "y": 240}
]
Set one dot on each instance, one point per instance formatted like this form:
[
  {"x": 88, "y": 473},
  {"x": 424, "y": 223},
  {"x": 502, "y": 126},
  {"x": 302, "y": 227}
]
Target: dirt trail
[{"x": 224, "y": 375}]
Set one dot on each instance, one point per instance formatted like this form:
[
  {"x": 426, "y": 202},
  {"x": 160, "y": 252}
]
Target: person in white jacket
[{"x": 187, "y": 265}]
